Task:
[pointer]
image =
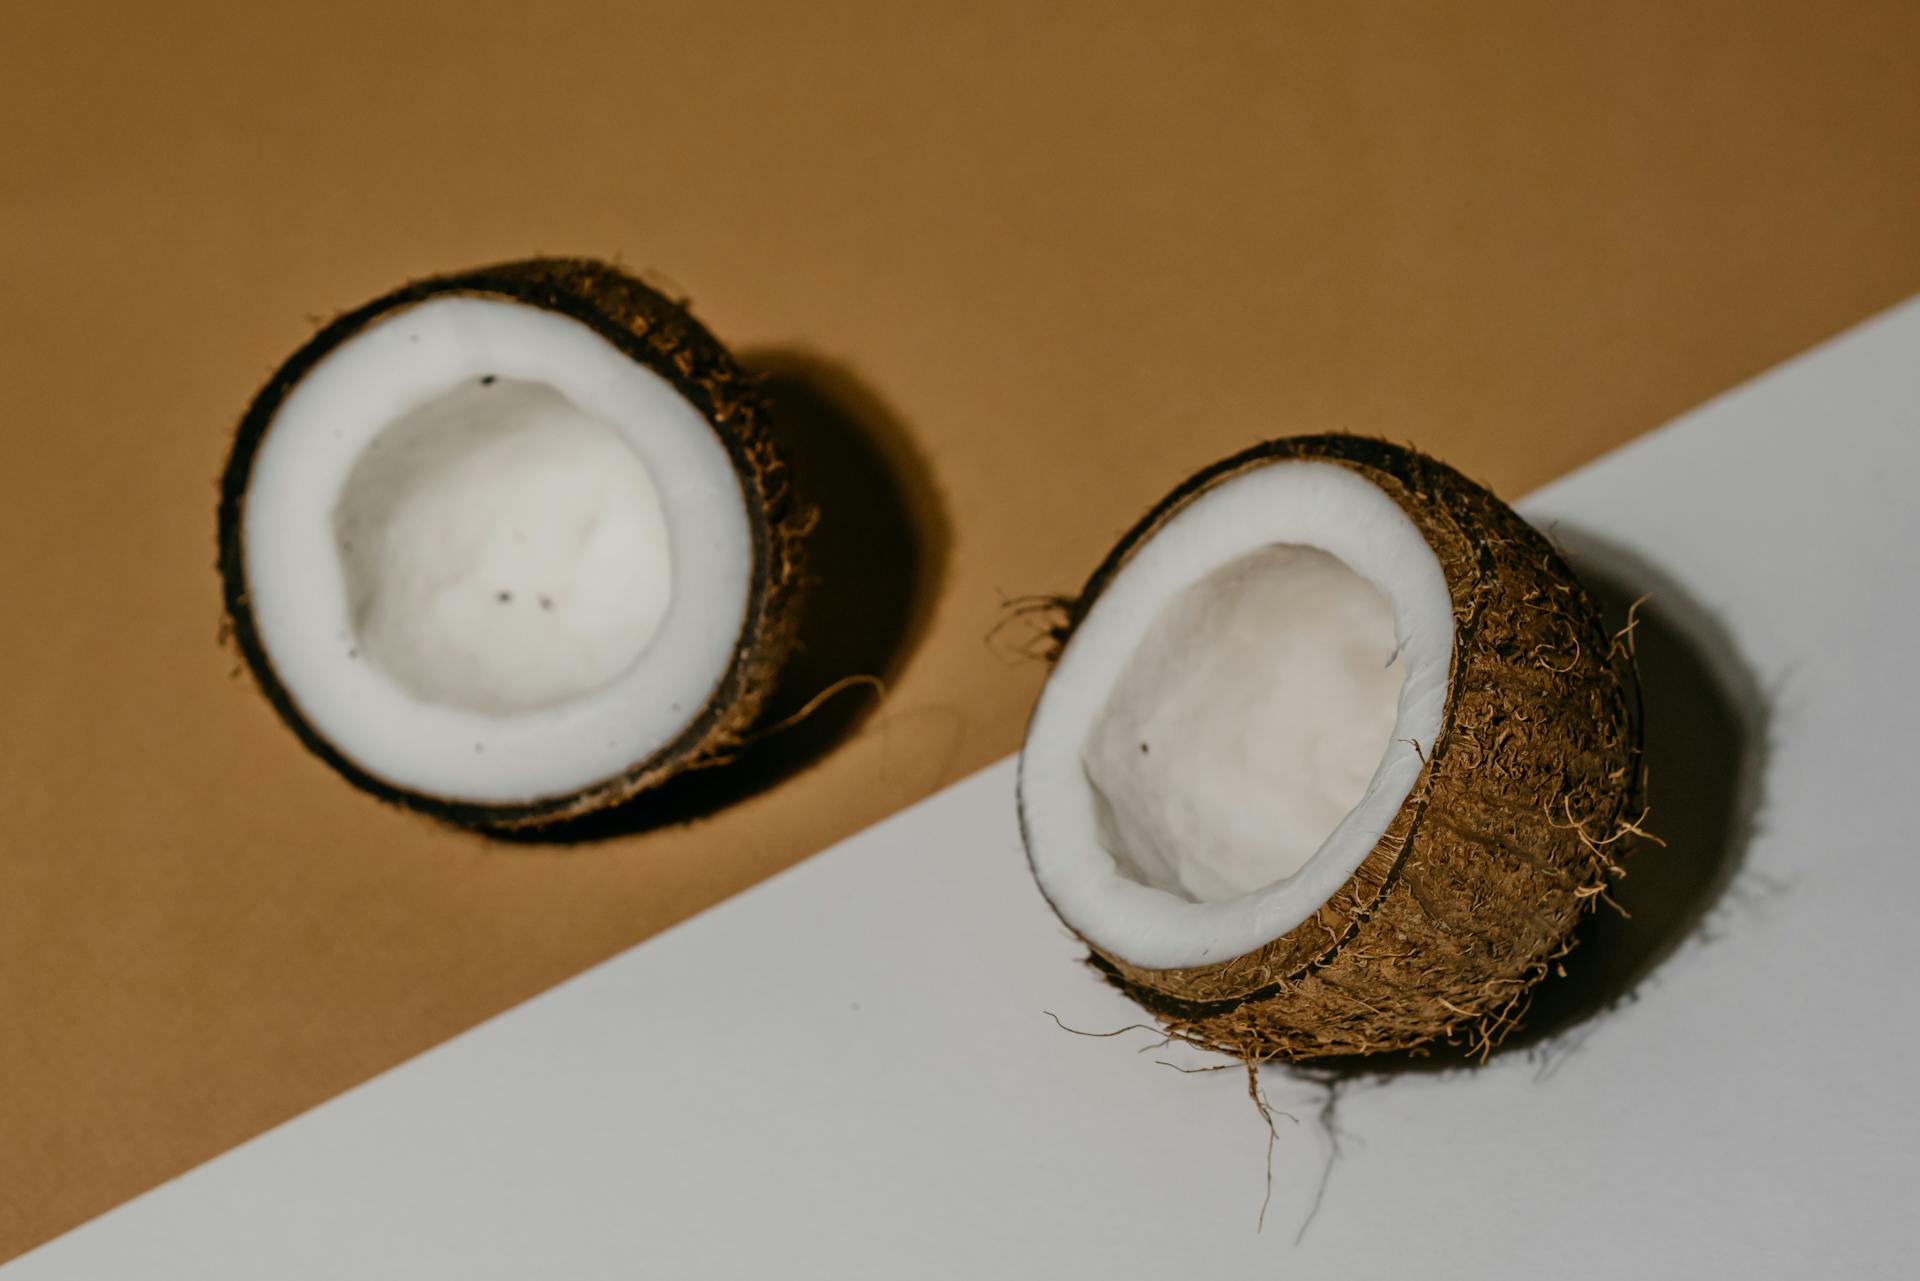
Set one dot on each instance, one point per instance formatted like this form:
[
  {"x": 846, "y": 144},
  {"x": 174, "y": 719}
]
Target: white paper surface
[{"x": 848, "y": 1071}]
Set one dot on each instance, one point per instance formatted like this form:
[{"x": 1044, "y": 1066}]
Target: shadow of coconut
[
  {"x": 876, "y": 557},
  {"x": 1705, "y": 728}
]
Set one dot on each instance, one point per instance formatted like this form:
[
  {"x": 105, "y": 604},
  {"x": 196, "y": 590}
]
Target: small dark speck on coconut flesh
[
  {"x": 486, "y": 380},
  {"x": 504, "y": 597}
]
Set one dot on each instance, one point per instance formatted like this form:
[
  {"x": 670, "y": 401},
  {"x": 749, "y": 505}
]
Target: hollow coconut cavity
[
  {"x": 1335, "y": 754},
  {"x": 511, "y": 545}
]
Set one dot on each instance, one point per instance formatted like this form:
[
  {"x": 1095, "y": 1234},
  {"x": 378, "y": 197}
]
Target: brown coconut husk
[
  {"x": 660, "y": 333},
  {"x": 1513, "y": 831}
]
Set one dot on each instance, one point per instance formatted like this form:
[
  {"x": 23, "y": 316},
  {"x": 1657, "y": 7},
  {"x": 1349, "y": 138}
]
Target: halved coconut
[
  {"x": 511, "y": 545},
  {"x": 1335, "y": 755}
]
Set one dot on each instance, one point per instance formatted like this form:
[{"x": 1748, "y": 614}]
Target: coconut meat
[
  {"x": 503, "y": 549},
  {"x": 1238, "y": 718},
  {"x": 490, "y": 556},
  {"x": 1246, "y": 724}
]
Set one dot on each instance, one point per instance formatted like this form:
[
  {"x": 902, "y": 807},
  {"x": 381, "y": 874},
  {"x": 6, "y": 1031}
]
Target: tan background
[{"x": 1042, "y": 259}]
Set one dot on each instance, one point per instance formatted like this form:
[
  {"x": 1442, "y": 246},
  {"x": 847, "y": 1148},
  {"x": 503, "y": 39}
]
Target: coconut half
[
  {"x": 511, "y": 545},
  {"x": 1335, "y": 753}
]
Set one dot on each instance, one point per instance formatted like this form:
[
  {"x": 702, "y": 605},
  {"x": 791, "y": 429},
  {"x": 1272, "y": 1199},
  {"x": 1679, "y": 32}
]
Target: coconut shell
[
  {"x": 662, "y": 335},
  {"x": 1512, "y": 832}
]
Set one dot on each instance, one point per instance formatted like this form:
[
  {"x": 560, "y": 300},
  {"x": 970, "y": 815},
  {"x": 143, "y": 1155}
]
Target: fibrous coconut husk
[
  {"x": 661, "y": 334},
  {"x": 1513, "y": 831}
]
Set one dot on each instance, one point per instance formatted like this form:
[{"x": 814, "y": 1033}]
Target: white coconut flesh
[
  {"x": 1238, "y": 718},
  {"x": 492, "y": 558}
]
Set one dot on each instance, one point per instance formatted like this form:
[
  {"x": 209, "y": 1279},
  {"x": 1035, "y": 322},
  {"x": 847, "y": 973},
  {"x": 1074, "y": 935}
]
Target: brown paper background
[{"x": 1044, "y": 259}]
